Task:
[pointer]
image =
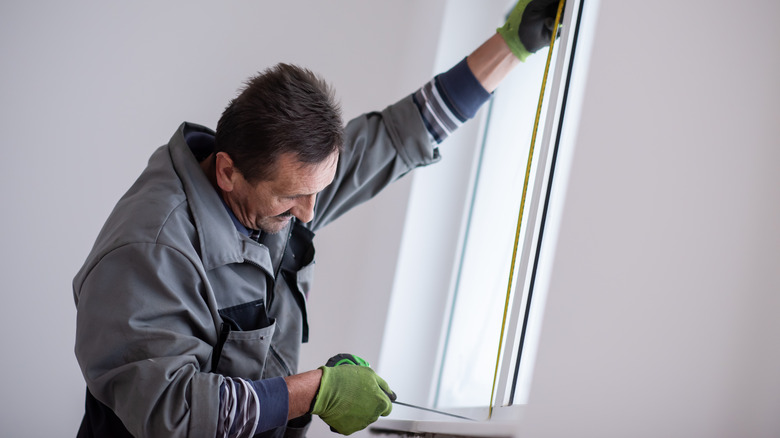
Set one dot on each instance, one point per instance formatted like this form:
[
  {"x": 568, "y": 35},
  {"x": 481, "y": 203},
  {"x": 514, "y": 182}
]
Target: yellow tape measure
[{"x": 522, "y": 200}]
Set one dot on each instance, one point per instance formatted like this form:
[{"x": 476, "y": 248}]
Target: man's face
[{"x": 269, "y": 205}]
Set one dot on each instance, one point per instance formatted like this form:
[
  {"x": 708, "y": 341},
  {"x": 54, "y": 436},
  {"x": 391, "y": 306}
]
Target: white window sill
[
  {"x": 454, "y": 427},
  {"x": 405, "y": 421}
]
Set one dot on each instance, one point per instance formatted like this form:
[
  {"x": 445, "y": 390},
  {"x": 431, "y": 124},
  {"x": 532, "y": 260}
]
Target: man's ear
[{"x": 226, "y": 173}]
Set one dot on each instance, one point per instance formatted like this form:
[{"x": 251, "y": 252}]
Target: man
[{"x": 191, "y": 304}]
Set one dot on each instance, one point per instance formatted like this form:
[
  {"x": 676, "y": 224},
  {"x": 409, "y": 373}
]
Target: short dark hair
[{"x": 283, "y": 109}]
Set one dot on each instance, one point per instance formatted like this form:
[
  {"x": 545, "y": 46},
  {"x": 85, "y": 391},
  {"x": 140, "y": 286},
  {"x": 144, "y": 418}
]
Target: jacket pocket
[
  {"x": 246, "y": 317},
  {"x": 244, "y": 353},
  {"x": 276, "y": 365},
  {"x": 245, "y": 337}
]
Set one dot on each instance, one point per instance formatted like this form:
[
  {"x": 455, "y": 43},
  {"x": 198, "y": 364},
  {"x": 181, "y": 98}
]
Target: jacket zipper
[
  {"x": 269, "y": 287},
  {"x": 284, "y": 250},
  {"x": 280, "y": 360},
  {"x": 269, "y": 295},
  {"x": 269, "y": 298}
]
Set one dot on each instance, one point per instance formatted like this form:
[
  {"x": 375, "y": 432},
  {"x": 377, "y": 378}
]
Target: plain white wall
[
  {"x": 662, "y": 314},
  {"x": 89, "y": 89}
]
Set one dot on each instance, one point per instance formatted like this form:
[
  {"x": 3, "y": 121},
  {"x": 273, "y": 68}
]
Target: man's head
[{"x": 277, "y": 146}]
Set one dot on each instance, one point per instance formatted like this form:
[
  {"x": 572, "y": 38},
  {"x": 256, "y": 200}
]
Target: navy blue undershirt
[{"x": 463, "y": 92}]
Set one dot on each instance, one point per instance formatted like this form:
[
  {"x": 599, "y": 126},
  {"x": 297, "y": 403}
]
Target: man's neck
[{"x": 209, "y": 168}]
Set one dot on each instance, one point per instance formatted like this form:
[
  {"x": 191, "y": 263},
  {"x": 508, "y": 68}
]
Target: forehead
[{"x": 293, "y": 177}]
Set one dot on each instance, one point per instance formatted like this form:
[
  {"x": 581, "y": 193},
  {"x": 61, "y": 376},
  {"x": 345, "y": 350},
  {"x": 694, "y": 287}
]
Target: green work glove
[
  {"x": 351, "y": 359},
  {"x": 529, "y": 26},
  {"x": 345, "y": 358},
  {"x": 351, "y": 395}
]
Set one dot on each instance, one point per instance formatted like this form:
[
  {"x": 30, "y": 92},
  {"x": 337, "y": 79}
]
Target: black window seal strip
[{"x": 546, "y": 204}]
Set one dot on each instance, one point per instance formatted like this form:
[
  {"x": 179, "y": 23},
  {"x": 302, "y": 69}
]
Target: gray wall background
[
  {"x": 662, "y": 314},
  {"x": 662, "y": 311},
  {"x": 90, "y": 88}
]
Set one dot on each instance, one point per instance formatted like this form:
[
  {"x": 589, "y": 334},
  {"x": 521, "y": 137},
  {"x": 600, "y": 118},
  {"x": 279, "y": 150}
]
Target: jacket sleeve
[
  {"x": 379, "y": 148},
  {"x": 143, "y": 334}
]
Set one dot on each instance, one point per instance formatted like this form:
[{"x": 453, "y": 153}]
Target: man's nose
[{"x": 304, "y": 208}]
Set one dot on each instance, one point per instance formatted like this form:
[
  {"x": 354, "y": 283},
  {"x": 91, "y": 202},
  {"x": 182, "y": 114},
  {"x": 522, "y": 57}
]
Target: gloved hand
[
  {"x": 346, "y": 358},
  {"x": 351, "y": 395},
  {"x": 351, "y": 359},
  {"x": 529, "y": 26}
]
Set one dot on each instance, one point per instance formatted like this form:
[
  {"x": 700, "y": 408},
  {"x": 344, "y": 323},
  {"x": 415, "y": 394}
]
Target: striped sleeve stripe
[
  {"x": 419, "y": 102},
  {"x": 440, "y": 107},
  {"x": 239, "y": 411},
  {"x": 439, "y": 119}
]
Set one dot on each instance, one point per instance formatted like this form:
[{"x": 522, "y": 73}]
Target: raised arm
[{"x": 527, "y": 29}]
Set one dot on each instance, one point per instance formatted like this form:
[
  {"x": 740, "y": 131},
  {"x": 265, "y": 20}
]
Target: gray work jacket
[{"x": 172, "y": 297}]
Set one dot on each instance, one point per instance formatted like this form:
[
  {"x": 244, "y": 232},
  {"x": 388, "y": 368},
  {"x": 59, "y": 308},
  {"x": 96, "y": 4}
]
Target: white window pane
[{"x": 472, "y": 341}]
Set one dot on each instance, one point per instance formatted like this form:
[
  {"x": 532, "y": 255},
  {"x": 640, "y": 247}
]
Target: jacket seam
[{"x": 167, "y": 219}]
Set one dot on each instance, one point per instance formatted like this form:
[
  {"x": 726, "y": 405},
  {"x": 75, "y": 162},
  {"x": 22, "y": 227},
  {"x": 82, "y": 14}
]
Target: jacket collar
[{"x": 220, "y": 242}]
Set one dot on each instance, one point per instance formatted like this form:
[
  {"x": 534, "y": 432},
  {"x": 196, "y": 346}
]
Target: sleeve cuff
[
  {"x": 461, "y": 90},
  {"x": 274, "y": 402}
]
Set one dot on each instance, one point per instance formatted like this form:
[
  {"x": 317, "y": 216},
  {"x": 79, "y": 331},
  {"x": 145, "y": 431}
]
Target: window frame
[{"x": 533, "y": 272}]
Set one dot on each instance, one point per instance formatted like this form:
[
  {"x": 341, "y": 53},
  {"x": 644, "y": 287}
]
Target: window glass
[
  {"x": 447, "y": 312},
  {"x": 472, "y": 338}
]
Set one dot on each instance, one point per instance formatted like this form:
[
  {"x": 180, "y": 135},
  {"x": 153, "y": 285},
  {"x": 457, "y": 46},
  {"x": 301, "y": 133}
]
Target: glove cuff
[
  {"x": 317, "y": 405},
  {"x": 509, "y": 33}
]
